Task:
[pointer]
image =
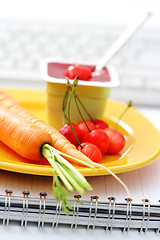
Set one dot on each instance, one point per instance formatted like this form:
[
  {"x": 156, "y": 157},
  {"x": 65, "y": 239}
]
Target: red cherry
[
  {"x": 99, "y": 138},
  {"x": 100, "y": 124},
  {"x": 83, "y": 72},
  {"x": 91, "y": 151},
  {"x": 116, "y": 140},
  {"x": 67, "y": 132},
  {"x": 84, "y": 129}
]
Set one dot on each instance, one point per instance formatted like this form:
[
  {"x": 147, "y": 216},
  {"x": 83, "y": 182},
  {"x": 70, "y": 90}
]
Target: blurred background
[{"x": 81, "y": 30}]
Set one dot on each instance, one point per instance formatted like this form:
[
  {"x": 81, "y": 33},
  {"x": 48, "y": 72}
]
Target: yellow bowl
[{"x": 93, "y": 94}]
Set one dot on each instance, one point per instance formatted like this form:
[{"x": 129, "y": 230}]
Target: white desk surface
[{"x": 143, "y": 183}]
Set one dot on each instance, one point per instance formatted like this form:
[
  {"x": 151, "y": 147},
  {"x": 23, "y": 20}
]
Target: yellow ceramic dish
[{"x": 142, "y": 139}]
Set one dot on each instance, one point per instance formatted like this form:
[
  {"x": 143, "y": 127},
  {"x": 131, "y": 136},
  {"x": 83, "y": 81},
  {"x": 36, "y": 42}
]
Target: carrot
[
  {"x": 31, "y": 138},
  {"x": 58, "y": 140},
  {"x": 26, "y": 139}
]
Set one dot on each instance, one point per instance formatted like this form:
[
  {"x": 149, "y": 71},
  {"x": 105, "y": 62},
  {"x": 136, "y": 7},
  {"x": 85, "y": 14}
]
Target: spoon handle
[{"x": 121, "y": 41}]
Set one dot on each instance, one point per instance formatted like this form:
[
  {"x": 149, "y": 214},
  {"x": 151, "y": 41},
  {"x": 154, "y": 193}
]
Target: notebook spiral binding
[
  {"x": 128, "y": 215},
  {"x": 25, "y": 208},
  {"x": 89, "y": 214}
]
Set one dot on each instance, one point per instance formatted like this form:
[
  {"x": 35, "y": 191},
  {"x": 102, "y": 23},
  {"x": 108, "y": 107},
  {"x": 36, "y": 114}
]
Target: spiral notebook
[
  {"x": 107, "y": 208},
  {"x": 92, "y": 214}
]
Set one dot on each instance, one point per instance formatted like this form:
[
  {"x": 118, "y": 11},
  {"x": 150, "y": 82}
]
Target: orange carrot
[
  {"x": 58, "y": 140},
  {"x": 31, "y": 138},
  {"x": 23, "y": 137}
]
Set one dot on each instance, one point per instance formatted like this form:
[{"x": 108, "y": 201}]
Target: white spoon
[{"x": 121, "y": 41}]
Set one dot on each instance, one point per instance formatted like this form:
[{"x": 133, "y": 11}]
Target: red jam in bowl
[{"x": 57, "y": 70}]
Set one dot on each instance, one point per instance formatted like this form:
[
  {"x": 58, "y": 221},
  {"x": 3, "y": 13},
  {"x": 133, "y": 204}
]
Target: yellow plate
[{"x": 141, "y": 148}]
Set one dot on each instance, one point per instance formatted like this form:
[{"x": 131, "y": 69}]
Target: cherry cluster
[
  {"x": 92, "y": 137},
  {"x": 95, "y": 139}
]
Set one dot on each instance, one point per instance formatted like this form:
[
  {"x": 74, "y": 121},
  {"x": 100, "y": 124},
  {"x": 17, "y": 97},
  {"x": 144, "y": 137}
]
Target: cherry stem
[
  {"x": 75, "y": 83},
  {"x": 85, "y": 108},
  {"x": 130, "y": 104},
  {"x": 75, "y": 97},
  {"x": 65, "y": 100},
  {"x": 64, "y": 106}
]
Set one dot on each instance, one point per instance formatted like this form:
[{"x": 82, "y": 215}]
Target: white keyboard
[{"x": 23, "y": 45}]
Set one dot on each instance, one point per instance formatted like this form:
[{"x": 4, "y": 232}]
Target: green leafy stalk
[
  {"x": 47, "y": 146},
  {"x": 69, "y": 175},
  {"x": 61, "y": 175},
  {"x": 61, "y": 194},
  {"x": 76, "y": 172},
  {"x": 76, "y": 160}
]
